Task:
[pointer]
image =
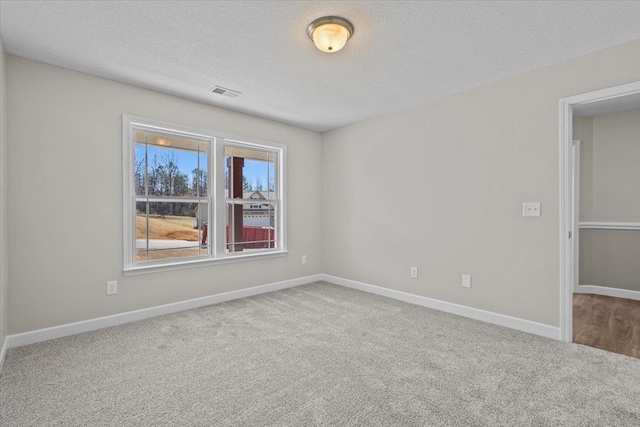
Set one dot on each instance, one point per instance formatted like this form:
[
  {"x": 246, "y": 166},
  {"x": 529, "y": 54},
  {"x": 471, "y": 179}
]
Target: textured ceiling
[{"x": 401, "y": 54}]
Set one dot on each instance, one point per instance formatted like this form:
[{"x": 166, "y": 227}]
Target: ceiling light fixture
[{"x": 330, "y": 33}]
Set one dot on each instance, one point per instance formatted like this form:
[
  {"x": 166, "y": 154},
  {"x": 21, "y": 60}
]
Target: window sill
[{"x": 179, "y": 265}]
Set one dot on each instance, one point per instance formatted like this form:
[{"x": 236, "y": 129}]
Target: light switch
[
  {"x": 466, "y": 280},
  {"x": 531, "y": 209}
]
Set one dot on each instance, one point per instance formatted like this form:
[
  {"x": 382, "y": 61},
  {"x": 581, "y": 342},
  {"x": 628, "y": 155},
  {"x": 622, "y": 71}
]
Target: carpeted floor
[{"x": 316, "y": 355}]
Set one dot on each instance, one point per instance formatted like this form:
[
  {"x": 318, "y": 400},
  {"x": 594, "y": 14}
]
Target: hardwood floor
[{"x": 608, "y": 323}]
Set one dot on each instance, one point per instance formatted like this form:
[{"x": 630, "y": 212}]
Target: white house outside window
[{"x": 191, "y": 197}]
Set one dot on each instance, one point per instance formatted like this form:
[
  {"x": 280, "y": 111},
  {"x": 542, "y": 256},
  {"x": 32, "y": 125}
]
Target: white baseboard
[
  {"x": 3, "y": 351},
  {"x": 610, "y": 292},
  {"x": 45, "y": 334},
  {"x": 460, "y": 310}
]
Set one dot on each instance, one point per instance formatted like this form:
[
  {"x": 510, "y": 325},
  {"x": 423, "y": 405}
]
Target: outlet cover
[
  {"x": 531, "y": 209},
  {"x": 112, "y": 287},
  {"x": 466, "y": 280},
  {"x": 304, "y": 259},
  {"x": 414, "y": 272}
]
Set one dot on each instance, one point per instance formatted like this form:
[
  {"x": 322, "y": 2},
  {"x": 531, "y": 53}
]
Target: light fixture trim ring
[{"x": 330, "y": 20}]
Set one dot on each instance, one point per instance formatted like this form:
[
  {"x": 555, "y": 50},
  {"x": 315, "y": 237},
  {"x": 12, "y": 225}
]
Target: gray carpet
[{"x": 316, "y": 355}]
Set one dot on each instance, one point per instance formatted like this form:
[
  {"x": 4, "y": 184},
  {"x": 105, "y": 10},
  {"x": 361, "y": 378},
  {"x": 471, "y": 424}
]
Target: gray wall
[
  {"x": 440, "y": 186},
  {"x": 4, "y": 276},
  {"x": 615, "y": 181},
  {"x": 610, "y": 258},
  {"x": 610, "y": 192},
  {"x": 66, "y": 230},
  {"x": 583, "y": 131}
]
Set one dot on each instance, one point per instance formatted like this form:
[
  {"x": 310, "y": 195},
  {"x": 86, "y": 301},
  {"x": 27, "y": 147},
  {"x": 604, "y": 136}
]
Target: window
[{"x": 190, "y": 197}]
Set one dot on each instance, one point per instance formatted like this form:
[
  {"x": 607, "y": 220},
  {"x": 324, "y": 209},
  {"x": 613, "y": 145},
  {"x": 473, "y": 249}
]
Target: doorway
[{"x": 600, "y": 218}]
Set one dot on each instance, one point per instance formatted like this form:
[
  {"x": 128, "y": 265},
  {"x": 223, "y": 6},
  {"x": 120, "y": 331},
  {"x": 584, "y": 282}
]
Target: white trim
[
  {"x": 281, "y": 173},
  {"x": 603, "y": 94},
  {"x": 566, "y": 223},
  {"x": 127, "y": 191},
  {"x": 216, "y": 141},
  {"x": 460, "y": 310},
  {"x": 217, "y": 232},
  {"x": 3, "y": 351},
  {"x": 610, "y": 292},
  {"x": 575, "y": 208},
  {"x": 199, "y": 133},
  {"x": 201, "y": 262},
  {"x": 32, "y": 337},
  {"x": 566, "y": 245},
  {"x": 610, "y": 225},
  {"x": 45, "y": 334}
]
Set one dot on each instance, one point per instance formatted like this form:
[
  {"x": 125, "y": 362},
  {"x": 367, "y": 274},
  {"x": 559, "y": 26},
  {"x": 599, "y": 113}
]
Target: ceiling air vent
[{"x": 219, "y": 90}]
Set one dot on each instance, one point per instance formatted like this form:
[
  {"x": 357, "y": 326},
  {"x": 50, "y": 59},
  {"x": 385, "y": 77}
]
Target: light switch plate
[
  {"x": 466, "y": 280},
  {"x": 531, "y": 209}
]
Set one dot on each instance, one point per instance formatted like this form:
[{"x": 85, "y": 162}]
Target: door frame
[
  {"x": 569, "y": 221},
  {"x": 575, "y": 214}
]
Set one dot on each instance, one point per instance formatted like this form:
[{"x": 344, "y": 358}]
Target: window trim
[{"x": 215, "y": 177}]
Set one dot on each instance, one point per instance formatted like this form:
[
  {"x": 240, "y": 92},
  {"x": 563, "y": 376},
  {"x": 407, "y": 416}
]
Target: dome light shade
[{"x": 330, "y": 33}]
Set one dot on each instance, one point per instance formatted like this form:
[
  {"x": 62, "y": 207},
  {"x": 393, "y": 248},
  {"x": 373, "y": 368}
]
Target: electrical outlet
[
  {"x": 112, "y": 287},
  {"x": 304, "y": 259},
  {"x": 531, "y": 209},
  {"x": 466, "y": 280},
  {"x": 414, "y": 272}
]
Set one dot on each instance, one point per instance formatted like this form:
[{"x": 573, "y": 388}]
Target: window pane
[
  {"x": 174, "y": 166},
  {"x": 141, "y": 231},
  {"x": 174, "y": 142},
  {"x": 249, "y": 226},
  {"x": 141, "y": 255},
  {"x": 200, "y": 175},
  {"x": 139, "y": 136},
  {"x": 256, "y": 168},
  {"x": 174, "y": 230},
  {"x": 139, "y": 168},
  {"x": 170, "y": 171},
  {"x": 155, "y": 255}
]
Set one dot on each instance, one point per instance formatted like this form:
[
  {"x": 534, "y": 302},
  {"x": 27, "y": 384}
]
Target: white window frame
[{"x": 216, "y": 196}]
